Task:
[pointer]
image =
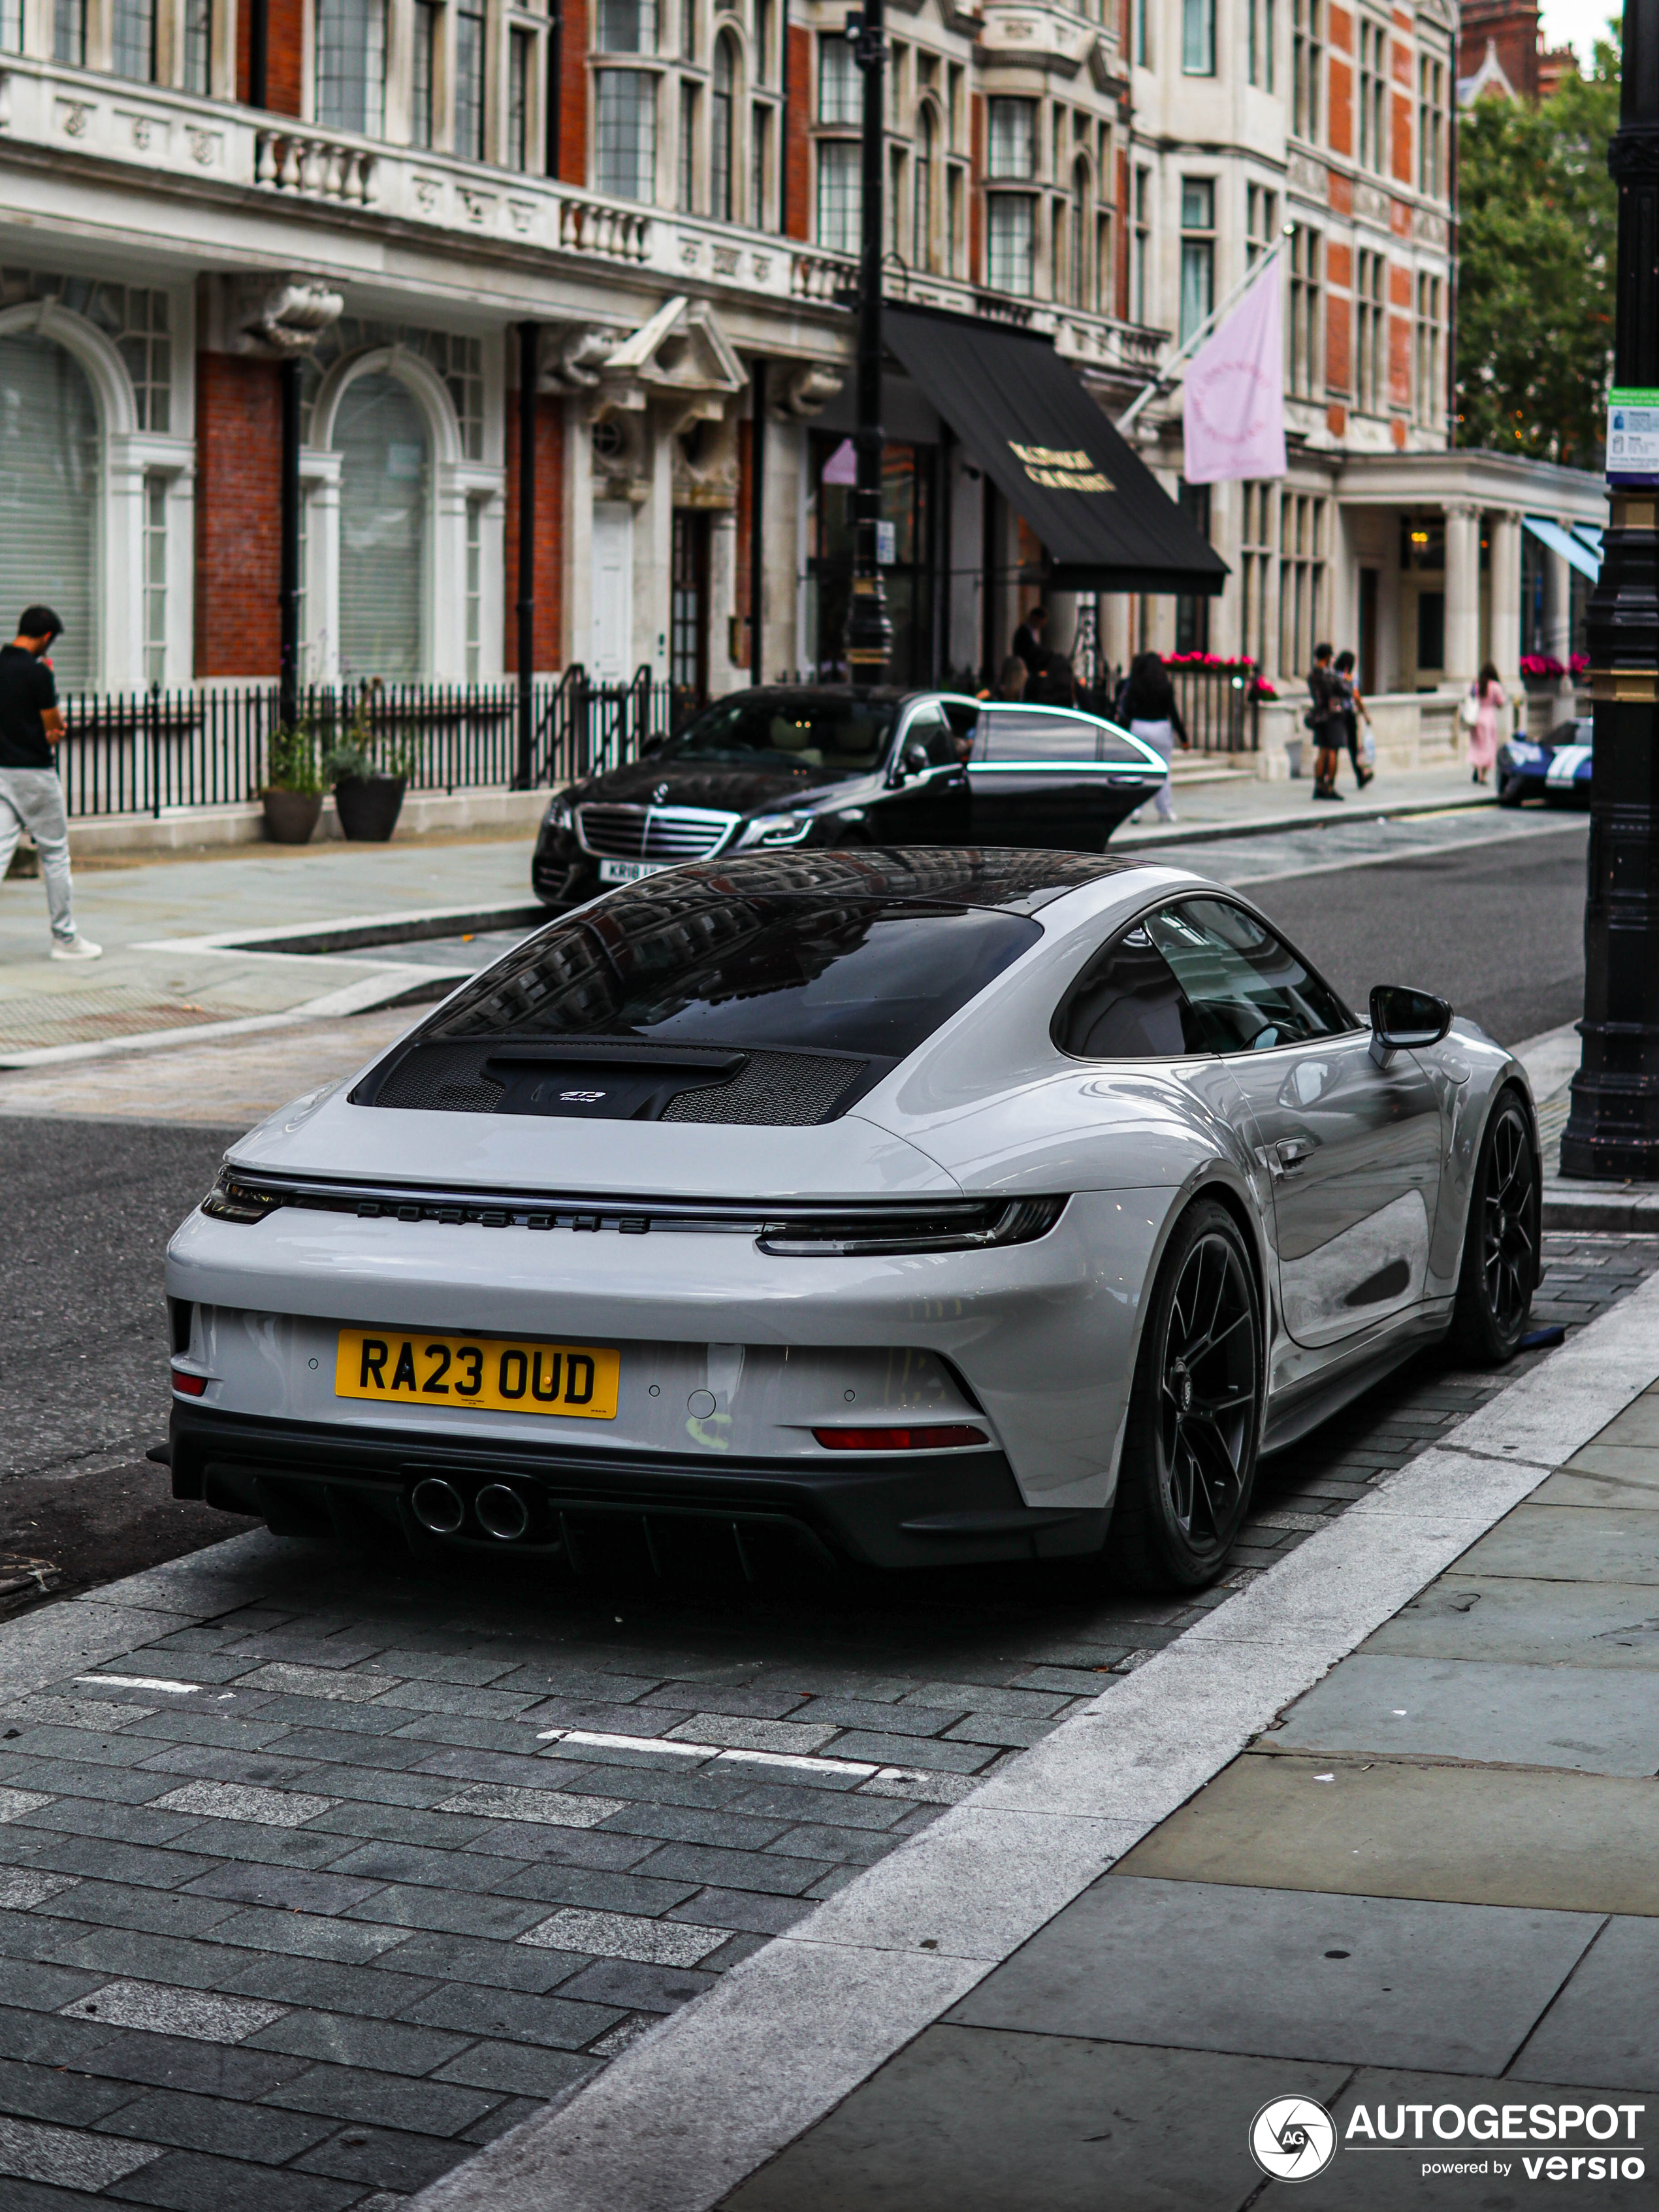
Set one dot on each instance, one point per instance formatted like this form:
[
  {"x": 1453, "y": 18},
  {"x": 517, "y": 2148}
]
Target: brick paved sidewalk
[{"x": 316, "y": 1875}]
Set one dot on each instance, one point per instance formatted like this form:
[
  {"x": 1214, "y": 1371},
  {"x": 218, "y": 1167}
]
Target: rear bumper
[{"x": 921, "y": 1510}]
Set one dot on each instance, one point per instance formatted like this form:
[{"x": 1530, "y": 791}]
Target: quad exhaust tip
[
  {"x": 438, "y": 1505},
  {"x": 501, "y": 1511}
]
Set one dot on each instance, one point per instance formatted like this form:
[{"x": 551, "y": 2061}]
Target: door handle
[{"x": 1293, "y": 1152}]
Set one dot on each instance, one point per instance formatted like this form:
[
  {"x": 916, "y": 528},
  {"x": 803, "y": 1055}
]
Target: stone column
[
  {"x": 1506, "y": 600},
  {"x": 1114, "y": 630},
  {"x": 1558, "y": 617},
  {"x": 1463, "y": 645}
]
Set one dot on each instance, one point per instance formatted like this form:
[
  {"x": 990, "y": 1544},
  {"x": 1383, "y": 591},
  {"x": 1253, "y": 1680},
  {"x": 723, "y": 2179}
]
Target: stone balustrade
[{"x": 298, "y": 161}]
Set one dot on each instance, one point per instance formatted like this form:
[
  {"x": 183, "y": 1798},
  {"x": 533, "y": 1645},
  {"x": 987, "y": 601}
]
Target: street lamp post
[
  {"x": 869, "y": 638},
  {"x": 1614, "y": 1128}
]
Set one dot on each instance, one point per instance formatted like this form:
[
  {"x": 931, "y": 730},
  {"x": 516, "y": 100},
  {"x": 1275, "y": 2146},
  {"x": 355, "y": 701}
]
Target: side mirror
[
  {"x": 653, "y": 746},
  {"x": 1404, "y": 1020},
  {"x": 914, "y": 759}
]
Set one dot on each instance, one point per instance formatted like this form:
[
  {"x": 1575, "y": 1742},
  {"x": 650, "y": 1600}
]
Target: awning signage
[{"x": 1027, "y": 419}]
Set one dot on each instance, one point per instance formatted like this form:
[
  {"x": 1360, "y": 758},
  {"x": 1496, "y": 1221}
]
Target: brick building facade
[{"x": 670, "y": 194}]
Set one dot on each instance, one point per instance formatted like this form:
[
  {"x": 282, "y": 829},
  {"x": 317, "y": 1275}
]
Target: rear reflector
[
  {"x": 189, "y": 1386},
  {"x": 940, "y": 1439}
]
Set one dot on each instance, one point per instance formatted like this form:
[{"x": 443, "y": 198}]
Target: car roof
[{"x": 1013, "y": 880}]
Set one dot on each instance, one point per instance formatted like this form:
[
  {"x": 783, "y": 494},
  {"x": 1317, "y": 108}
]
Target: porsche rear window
[{"x": 848, "y": 975}]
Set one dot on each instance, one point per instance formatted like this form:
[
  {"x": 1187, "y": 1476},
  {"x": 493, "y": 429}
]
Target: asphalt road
[
  {"x": 1498, "y": 929},
  {"x": 92, "y": 1204}
]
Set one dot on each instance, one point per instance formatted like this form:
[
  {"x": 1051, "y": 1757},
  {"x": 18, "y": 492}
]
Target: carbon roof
[{"x": 1015, "y": 880}]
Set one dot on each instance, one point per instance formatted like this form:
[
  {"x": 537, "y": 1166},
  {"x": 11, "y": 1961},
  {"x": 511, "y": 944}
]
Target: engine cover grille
[{"x": 653, "y": 833}]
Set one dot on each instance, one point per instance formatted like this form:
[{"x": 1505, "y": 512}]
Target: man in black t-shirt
[{"x": 31, "y": 797}]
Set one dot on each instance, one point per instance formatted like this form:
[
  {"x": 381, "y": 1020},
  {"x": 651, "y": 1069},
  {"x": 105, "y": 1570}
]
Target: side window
[
  {"x": 1010, "y": 733},
  {"x": 1247, "y": 989},
  {"x": 1117, "y": 745},
  {"x": 928, "y": 729},
  {"x": 1127, "y": 1005}
]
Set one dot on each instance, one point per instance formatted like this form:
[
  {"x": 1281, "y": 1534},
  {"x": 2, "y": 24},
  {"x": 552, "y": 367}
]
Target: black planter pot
[
  {"x": 369, "y": 805},
  {"x": 291, "y": 816}
]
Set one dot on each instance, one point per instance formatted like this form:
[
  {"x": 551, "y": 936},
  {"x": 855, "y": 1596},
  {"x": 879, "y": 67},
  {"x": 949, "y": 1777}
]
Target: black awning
[{"x": 1028, "y": 421}]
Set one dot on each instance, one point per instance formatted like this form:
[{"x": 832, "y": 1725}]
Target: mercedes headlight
[{"x": 775, "y": 830}]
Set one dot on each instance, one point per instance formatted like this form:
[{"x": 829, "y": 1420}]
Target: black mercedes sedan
[{"x": 827, "y": 765}]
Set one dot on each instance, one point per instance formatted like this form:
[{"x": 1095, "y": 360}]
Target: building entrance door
[{"x": 612, "y": 649}]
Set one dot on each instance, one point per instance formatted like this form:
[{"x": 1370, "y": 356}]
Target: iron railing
[
  {"x": 153, "y": 752},
  {"x": 1218, "y": 707}
]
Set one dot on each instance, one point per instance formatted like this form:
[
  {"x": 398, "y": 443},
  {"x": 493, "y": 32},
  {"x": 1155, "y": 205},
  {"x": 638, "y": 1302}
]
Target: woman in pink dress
[{"x": 1490, "y": 699}]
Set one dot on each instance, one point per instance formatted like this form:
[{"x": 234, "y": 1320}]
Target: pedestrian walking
[
  {"x": 1028, "y": 640},
  {"x": 1485, "y": 702},
  {"x": 1353, "y": 707},
  {"x": 1150, "y": 709},
  {"x": 31, "y": 796},
  {"x": 1323, "y": 717}
]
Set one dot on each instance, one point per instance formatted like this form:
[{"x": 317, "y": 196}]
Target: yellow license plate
[{"x": 492, "y": 1373}]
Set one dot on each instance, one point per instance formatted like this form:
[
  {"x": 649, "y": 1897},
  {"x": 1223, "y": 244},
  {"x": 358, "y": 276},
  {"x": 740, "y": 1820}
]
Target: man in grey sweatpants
[{"x": 31, "y": 797}]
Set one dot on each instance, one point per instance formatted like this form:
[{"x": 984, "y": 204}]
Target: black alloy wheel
[
  {"x": 1502, "y": 1258},
  {"x": 1190, "y": 1447}
]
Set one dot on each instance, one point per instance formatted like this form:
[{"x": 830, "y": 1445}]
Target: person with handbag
[
  {"x": 1484, "y": 703},
  {"x": 1323, "y": 717},
  {"x": 1352, "y": 707},
  {"x": 1149, "y": 707}
]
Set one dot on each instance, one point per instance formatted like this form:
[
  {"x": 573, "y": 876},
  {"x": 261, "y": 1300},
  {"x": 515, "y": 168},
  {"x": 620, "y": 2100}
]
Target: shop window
[
  {"x": 49, "y": 485},
  {"x": 381, "y": 437},
  {"x": 907, "y": 507}
]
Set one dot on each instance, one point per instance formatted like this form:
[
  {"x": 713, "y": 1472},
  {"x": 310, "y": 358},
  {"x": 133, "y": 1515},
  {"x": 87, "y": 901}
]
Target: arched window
[
  {"x": 1079, "y": 275},
  {"x": 381, "y": 436},
  {"x": 921, "y": 242},
  {"x": 49, "y": 448},
  {"x": 721, "y": 126}
]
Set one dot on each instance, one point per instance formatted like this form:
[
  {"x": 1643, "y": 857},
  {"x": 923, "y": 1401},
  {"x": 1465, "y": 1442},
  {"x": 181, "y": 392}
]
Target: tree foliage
[{"x": 1538, "y": 223}]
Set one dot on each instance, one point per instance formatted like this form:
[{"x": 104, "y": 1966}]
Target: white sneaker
[{"x": 77, "y": 948}]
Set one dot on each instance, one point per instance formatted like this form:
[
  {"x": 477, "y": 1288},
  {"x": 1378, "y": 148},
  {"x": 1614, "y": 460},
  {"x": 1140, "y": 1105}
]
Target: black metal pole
[
  {"x": 869, "y": 631},
  {"x": 259, "y": 48},
  {"x": 528, "y": 366},
  {"x": 756, "y": 517},
  {"x": 1613, "y": 1126},
  {"x": 287, "y": 584}
]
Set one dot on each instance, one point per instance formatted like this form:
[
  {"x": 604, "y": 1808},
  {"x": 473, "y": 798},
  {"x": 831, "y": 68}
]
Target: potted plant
[
  {"x": 292, "y": 796},
  {"x": 370, "y": 774}
]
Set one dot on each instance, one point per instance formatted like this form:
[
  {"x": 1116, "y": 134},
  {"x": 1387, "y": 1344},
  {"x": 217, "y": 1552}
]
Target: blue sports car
[{"x": 1556, "y": 768}]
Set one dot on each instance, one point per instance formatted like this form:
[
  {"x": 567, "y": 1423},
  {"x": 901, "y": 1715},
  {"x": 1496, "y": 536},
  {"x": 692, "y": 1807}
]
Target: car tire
[
  {"x": 1501, "y": 1253},
  {"x": 1194, "y": 1422},
  {"x": 1511, "y": 791}
]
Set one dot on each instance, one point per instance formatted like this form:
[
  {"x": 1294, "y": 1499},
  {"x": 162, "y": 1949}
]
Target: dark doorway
[
  {"x": 1192, "y": 612},
  {"x": 1368, "y": 588},
  {"x": 688, "y": 656}
]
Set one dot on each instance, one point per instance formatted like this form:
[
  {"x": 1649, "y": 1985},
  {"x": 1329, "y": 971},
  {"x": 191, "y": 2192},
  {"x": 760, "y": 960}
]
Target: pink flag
[
  {"x": 1233, "y": 412},
  {"x": 842, "y": 465}
]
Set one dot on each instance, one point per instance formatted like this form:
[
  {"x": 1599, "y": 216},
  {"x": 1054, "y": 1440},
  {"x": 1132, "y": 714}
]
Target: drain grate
[{"x": 117, "y": 1010}]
